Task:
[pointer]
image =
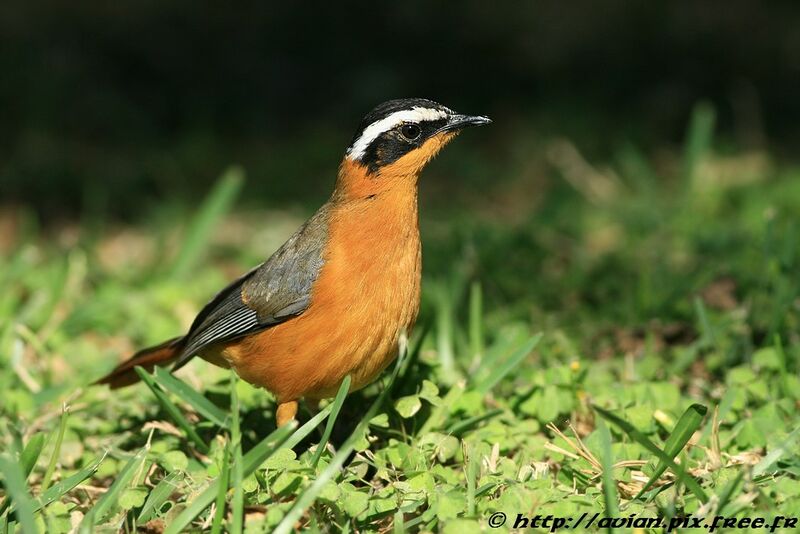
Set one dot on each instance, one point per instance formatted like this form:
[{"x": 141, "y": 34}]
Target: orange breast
[{"x": 366, "y": 295}]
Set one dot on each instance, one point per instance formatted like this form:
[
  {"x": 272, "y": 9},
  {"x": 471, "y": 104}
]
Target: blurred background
[
  {"x": 114, "y": 107},
  {"x": 640, "y": 155}
]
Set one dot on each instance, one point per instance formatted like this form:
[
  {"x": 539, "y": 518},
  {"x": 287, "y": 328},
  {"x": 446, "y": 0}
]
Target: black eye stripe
[{"x": 394, "y": 144}]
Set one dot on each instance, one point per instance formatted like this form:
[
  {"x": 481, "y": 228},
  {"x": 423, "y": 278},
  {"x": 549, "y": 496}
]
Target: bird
[{"x": 337, "y": 297}]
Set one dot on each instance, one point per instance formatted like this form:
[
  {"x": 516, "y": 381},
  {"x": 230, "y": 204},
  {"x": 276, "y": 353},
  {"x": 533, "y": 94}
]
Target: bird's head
[{"x": 397, "y": 138}]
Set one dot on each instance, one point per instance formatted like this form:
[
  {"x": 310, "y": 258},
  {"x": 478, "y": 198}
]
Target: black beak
[{"x": 459, "y": 122}]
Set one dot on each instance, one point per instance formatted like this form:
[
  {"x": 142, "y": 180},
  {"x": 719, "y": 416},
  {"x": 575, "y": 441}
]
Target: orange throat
[{"x": 355, "y": 181}]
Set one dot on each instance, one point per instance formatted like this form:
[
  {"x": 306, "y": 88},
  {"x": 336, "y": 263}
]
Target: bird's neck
[
  {"x": 355, "y": 183},
  {"x": 376, "y": 211}
]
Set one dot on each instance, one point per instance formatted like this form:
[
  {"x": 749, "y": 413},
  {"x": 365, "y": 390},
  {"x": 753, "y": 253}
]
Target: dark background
[{"x": 109, "y": 107}]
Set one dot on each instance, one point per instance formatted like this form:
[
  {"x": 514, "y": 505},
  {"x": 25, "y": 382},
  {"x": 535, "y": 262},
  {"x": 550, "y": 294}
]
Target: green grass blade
[
  {"x": 472, "y": 470},
  {"x": 783, "y": 365},
  {"x": 610, "y": 496},
  {"x": 727, "y": 492},
  {"x": 399, "y": 526},
  {"x": 309, "y": 495},
  {"x": 445, "y": 333},
  {"x": 28, "y": 458},
  {"x": 31, "y": 454},
  {"x": 280, "y": 438},
  {"x": 686, "y": 426},
  {"x": 640, "y": 438},
  {"x": 476, "y": 341},
  {"x": 709, "y": 336},
  {"x": 17, "y": 489},
  {"x": 698, "y": 140},
  {"x": 51, "y": 466},
  {"x": 61, "y": 488},
  {"x": 344, "y": 389},
  {"x": 216, "y": 205},
  {"x": 509, "y": 365},
  {"x": 222, "y": 493},
  {"x": 107, "y": 501},
  {"x": 459, "y": 427},
  {"x": 172, "y": 410},
  {"x": 193, "y": 509},
  {"x": 158, "y": 496},
  {"x": 775, "y": 454},
  {"x": 187, "y": 394},
  {"x": 237, "y": 504},
  {"x": 421, "y": 333}
]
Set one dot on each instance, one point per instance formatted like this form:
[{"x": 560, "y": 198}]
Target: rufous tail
[{"x": 159, "y": 355}]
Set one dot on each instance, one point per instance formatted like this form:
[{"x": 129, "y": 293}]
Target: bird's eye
[{"x": 410, "y": 132}]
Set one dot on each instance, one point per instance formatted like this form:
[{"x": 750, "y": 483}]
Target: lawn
[{"x": 619, "y": 338}]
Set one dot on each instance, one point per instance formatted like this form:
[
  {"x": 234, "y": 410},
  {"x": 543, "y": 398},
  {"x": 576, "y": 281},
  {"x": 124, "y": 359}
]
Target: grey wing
[{"x": 276, "y": 290}]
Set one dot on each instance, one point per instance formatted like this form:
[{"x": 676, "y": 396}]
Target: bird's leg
[{"x": 286, "y": 412}]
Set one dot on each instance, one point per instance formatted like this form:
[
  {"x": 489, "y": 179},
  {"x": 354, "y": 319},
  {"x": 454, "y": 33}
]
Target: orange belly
[{"x": 365, "y": 297}]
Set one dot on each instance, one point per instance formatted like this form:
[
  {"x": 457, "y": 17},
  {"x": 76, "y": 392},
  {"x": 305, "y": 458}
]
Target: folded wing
[{"x": 275, "y": 291}]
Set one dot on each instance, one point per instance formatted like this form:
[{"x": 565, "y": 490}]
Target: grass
[{"x": 626, "y": 345}]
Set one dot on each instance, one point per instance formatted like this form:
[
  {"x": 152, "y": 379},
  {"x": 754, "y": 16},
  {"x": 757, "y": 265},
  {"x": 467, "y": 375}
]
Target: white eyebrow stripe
[{"x": 371, "y": 132}]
